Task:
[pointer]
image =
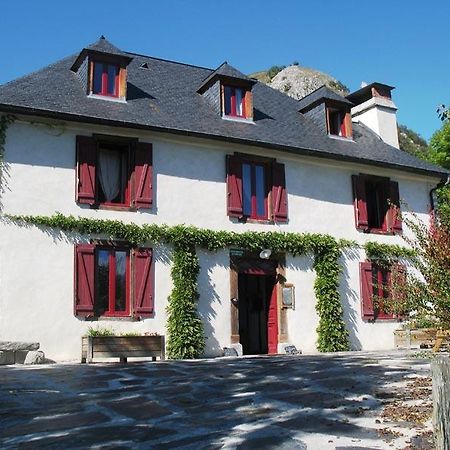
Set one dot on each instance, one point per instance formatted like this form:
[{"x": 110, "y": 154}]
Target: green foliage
[
  {"x": 184, "y": 326},
  {"x": 411, "y": 142},
  {"x": 274, "y": 70},
  {"x": 443, "y": 205},
  {"x": 94, "y": 332},
  {"x": 440, "y": 146},
  {"x": 387, "y": 253},
  {"x": 338, "y": 87},
  {"x": 5, "y": 121}
]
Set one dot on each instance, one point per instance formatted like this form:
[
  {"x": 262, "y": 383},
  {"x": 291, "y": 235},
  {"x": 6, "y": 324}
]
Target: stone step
[{"x": 16, "y": 346}]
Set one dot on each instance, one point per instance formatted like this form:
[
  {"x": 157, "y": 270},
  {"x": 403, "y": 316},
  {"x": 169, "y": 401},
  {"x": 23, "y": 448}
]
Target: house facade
[{"x": 107, "y": 134}]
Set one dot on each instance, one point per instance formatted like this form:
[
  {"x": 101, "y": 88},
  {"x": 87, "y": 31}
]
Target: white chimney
[{"x": 375, "y": 109}]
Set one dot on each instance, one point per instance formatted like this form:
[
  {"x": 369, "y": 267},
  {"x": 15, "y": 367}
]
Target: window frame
[
  {"x": 127, "y": 149},
  {"x": 253, "y": 163},
  {"x": 112, "y": 249},
  {"x": 105, "y": 79},
  {"x": 233, "y": 109},
  {"x": 382, "y": 187},
  {"x": 382, "y": 289}
]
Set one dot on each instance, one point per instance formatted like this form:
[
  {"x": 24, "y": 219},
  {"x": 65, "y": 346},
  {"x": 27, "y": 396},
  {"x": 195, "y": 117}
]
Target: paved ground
[{"x": 288, "y": 402}]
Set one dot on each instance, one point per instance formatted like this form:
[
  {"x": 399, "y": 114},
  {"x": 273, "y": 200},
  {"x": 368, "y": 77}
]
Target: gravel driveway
[{"x": 340, "y": 401}]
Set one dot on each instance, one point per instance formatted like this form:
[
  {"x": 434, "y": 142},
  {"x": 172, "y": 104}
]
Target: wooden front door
[{"x": 258, "y": 319}]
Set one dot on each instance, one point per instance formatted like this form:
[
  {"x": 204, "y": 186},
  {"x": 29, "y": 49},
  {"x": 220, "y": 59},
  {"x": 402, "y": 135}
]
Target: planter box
[
  {"x": 122, "y": 347},
  {"x": 415, "y": 338}
]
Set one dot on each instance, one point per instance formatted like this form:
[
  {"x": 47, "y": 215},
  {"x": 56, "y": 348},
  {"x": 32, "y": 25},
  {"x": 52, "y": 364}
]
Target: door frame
[{"x": 244, "y": 264}]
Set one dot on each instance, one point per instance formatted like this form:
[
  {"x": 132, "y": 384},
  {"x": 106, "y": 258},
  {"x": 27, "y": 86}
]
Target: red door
[
  {"x": 258, "y": 317},
  {"x": 272, "y": 322}
]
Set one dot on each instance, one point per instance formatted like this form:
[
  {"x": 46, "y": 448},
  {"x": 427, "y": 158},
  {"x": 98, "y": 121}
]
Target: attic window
[
  {"x": 106, "y": 79},
  {"x": 234, "y": 101},
  {"x": 339, "y": 122},
  {"x": 237, "y": 102}
]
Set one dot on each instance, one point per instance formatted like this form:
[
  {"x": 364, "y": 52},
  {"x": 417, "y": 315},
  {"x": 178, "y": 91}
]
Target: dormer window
[
  {"x": 234, "y": 101},
  {"x": 339, "y": 122},
  {"x": 106, "y": 79},
  {"x": 102, "y": 71}
]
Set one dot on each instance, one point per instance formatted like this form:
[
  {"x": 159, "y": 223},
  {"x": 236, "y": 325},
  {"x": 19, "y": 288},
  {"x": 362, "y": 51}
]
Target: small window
[
  {"x": 234, "y": 101},
  {"x": 112, "y": 279},
  {"x": 113, "y": 174},
  {"x": 337, "y": 122},
  {"x": 254, "y": 190},
  {"x": 379, "y": 299},
  {"x": 377, "y": 204},
  {"x": 106, "y": 79}
]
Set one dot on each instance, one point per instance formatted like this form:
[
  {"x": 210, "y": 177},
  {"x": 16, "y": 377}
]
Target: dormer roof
[
  {"x": 102, "y": 47},
  {"x": 226, "y": 73},
  {"x": 321, "y": 95}
]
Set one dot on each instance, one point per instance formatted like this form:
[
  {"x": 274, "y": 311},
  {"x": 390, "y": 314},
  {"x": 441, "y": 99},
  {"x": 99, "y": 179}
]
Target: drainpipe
[{"x": 439, "y": 185}]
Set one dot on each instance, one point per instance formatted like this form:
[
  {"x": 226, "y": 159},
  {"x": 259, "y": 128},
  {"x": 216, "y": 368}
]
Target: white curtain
[{"x": 109, "y": 173}]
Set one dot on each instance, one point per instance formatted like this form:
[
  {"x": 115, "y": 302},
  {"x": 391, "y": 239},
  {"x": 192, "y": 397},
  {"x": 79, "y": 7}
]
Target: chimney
[{"x": 375, "y": 109}]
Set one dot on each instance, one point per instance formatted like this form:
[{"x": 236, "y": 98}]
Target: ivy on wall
[
  {"x": 184, "y": 327},
  {"x": 5, "y": 121},
  {"x": 387, "y": 253}
]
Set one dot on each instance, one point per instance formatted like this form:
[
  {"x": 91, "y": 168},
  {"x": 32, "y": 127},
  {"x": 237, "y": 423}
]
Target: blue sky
[{"x": 402, "y": 43}]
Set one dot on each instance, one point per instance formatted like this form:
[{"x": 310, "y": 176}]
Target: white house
[{"x": 109, "y": 134}]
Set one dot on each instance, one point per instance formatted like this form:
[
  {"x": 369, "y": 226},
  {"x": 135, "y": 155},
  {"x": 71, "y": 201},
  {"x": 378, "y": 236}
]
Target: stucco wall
[{"x": 36, "y": 268}]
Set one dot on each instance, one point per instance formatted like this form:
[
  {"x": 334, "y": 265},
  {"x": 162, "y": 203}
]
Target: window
[
  {"x": 104, "y": 286},
  {"x": 112, "y": 282},
  {"x": 234, "y": 101},
  {"x": 339, "y": 122},
  {"x": 377, "y": 204},
  {"x": 114, "y": 173},
  {"x": 377, "y": 293},
  {"x": 105, "y": 79},
  {"x": 256, "y": 189}
]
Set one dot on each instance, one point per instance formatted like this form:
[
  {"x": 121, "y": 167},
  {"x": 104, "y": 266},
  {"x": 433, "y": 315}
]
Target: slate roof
[
  {"x": 226, "y": 71},
  {"x": 164, "y": 97},
  {"x": 321, "y": 93}
]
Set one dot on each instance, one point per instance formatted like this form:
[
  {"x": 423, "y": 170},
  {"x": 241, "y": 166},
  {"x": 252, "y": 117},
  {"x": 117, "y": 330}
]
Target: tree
[{"x": 439, "y": 150}]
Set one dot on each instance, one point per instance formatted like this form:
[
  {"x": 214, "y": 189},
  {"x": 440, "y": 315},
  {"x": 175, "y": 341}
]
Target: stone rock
[
  {"x": 15, "y": 346},
  {"x": 6, "y": 357},
  {"x": 35, "y": 357},
  {"x": 227, "y": 351},
  {"x": 19, "y": 356}
]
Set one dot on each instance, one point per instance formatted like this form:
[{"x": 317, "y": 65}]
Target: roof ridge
[{"x": 169, "y": 61}]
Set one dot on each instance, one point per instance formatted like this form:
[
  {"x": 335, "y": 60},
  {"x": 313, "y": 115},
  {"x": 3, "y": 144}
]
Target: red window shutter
[
  {"x": 279, "y": 193},
  {"x": 84, "y": 279},
  {"x": 234, "y": 186},
  {"x": 395, "y": 220},
  {"x": 360, "y": 202},
  {"x": 143, "y": 175},
  {"x": 86, "y": 160},
  {"x": 366, "y": 281},
  {"x": 143, "y": 282}
]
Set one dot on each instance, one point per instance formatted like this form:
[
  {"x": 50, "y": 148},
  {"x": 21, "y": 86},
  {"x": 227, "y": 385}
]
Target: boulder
[
  {"x": 15, "y": 346},
  {"x": 6, "y": 357},
  {"x": 35, "y": 357}
]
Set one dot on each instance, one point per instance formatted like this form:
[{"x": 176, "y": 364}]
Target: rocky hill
[{"x": 298, "y": 81}]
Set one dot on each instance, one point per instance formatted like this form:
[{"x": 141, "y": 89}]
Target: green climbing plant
[{"x": 184, "y": 326}]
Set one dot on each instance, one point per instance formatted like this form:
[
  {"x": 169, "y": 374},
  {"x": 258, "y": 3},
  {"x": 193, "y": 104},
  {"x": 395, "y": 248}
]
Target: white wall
[{"x": 36, "y": 268}]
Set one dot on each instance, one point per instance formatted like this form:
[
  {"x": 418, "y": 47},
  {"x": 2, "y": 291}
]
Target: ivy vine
[
  {"x": 184, "y": 327},
  {"x": 387, "y": 253},
  {"x": 5, "y": 122}
]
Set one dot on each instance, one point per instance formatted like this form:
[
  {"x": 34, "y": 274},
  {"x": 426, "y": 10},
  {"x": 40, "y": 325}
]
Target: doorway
[{"x": 258, "y": 319}]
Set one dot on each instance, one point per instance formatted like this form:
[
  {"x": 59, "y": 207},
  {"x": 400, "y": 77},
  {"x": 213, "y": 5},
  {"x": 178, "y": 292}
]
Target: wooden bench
[{"x": 121, "y": 347}]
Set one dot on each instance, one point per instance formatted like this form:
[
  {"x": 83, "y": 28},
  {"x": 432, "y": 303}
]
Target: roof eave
[{"x": 13, "y": 109}]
